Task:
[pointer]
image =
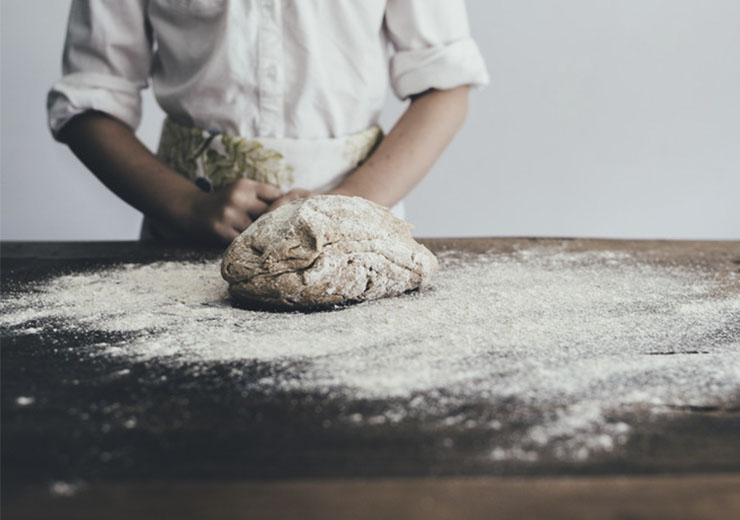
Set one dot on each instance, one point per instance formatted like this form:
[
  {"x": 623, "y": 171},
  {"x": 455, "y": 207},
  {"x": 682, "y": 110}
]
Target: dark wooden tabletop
[{"x": 205, "y": 449}]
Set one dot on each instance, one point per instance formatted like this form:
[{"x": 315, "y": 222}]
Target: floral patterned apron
[{"x": 214, "y": 160}]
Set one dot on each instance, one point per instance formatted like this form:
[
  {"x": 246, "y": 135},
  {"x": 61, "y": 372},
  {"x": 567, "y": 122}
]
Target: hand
[
  {"x": 294, "y": 194},
  {"x": 222, "y": 215},
  {"x": 341, "y": 190}
]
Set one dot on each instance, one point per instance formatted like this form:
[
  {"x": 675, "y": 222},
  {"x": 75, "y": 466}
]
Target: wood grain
[
  {"x": 688, "y": 497},
  {"x": 202, "y": 449}
]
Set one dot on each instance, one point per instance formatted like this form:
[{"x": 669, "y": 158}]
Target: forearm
[
  {"x": 111, "y": 150},
  {"x": 408, "y": 152}
]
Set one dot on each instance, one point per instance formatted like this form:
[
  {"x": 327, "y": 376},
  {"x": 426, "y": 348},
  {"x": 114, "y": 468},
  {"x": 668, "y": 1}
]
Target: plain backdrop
[{"x": 603, "y": 118}]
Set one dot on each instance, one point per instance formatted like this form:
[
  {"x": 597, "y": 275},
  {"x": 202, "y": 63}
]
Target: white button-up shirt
[{"x": 261, "y": 68}]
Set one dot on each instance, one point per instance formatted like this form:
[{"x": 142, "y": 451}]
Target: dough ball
[{"x": 322, "y": 251}]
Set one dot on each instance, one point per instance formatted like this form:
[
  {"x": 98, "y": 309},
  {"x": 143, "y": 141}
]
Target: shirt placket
[{"x": 270, "y": 69}]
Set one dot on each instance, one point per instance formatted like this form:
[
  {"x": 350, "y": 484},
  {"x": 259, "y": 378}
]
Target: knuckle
[
  {"x": 240, "y": 198},
  {"x": 238, "y": 186},
  {"x": 229, "y": 197},
  {"x": 234, "y": 198}
]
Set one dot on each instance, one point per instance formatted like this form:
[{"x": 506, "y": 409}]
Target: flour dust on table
[{"x": 563, "y": 345}]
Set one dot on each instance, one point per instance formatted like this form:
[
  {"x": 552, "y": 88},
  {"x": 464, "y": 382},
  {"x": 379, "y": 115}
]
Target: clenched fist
[
  {"x": 222, "y": 215},
  {"x": 295, "y": 193}
]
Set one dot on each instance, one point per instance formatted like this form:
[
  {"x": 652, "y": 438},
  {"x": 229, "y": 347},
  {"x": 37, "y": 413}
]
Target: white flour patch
[{"x": 568, "y": 338}]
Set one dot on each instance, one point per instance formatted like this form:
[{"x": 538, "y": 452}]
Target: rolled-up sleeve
[
  {"x": 106, "y": 62},
  {"x": 433, "y": 46}
]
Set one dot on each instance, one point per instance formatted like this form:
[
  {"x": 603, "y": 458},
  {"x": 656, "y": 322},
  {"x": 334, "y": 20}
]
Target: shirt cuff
[
  {"x": 79, "y": 92},
  {"x": 441, "y": 67}
]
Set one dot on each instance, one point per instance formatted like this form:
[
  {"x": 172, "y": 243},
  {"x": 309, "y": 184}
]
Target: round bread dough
[{"x": 322, "y": 251}]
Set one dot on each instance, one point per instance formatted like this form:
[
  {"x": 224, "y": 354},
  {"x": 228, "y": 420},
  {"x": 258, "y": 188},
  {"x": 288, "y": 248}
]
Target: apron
[{"x": 213, "y": 160}]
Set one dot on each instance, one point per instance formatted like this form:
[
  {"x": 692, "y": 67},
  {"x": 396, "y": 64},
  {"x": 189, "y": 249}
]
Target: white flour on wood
[{"x": 572, "y": 336}]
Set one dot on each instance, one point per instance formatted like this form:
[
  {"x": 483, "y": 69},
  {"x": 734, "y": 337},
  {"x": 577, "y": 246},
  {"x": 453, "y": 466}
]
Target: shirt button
[
  {"x": 267, "y": 4},
  {"x": 272, "y": 72}
]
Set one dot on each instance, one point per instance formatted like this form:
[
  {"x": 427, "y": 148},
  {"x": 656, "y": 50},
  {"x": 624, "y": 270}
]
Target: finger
[
  {"x": 242, "y": 195},
  {"x": 300, "y": 193},
  {"x": 230, "y": 236},
  {"x": 256, "y": 208},
  {"x": 226, "y": 234},
  {"x": 267, "y": 192},
  {"x": 280, "y": 202},
  {"x": 237, "y": 219}
]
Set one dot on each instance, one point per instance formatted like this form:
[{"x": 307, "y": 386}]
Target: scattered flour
[
  {"x": 571, "y": 337},
  {"x": 24, "y": 400},
  {"x": 65, "y": 489}
]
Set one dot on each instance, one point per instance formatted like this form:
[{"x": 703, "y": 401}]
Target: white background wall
[{"x": 603, "y": 118}]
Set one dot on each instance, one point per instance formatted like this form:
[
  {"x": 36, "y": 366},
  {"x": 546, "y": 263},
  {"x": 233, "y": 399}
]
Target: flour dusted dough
[{"x": 322, "y": 251}]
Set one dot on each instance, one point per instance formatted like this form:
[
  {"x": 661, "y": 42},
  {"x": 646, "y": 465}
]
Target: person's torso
[{"x": 271, "y": 68}]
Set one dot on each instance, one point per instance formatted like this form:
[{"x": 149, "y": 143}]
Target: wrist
[{"x": 182, "y": 206}]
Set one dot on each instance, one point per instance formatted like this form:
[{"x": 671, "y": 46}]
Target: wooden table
[{"x": 217, "y": 453}]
